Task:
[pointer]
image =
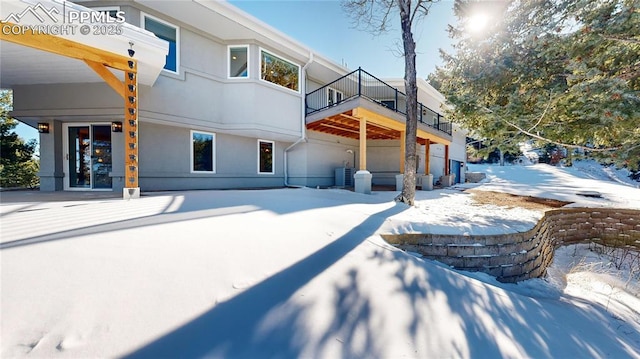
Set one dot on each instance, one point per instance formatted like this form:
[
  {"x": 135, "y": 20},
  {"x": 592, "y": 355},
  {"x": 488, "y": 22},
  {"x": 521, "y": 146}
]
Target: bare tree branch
[
  {"x": 543, "y": 112},
  {"x": 421, "y": 9},
  {"x": 559, "y": 143},
  {"x": 626, "y": 41},
  {"x": 385, "y": 18}
]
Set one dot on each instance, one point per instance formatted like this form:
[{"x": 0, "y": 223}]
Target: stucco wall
[
  {"x": 519, "y": 256},
  {"x": 436, "y": 165},
  {"x": 164, "y": 167},
  {"x": 199, "y": 96},
  {"x": 313, "y": 163}
]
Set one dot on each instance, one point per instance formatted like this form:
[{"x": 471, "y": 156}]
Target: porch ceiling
[
  {"x": 51, "y": 55},
  {"x": 346, "y": 123}
]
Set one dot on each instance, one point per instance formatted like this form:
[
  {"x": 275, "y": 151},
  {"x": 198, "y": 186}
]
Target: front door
[
  {"x": 88, "y": 158},
  {"x": 455, "y": 169}
]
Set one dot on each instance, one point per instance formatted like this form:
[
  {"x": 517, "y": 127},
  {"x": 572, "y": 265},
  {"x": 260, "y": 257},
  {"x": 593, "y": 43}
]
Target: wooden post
[
  {"x": 131, "y": 127},
  {"x": 427, "y": 157},
  {"x": 446, "y": 160},
  {"x": 403, "y": 145},
  {"x": 363, "y": 144}
]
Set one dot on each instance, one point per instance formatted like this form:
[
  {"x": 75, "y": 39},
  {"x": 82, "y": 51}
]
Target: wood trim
[
  {"x": 384, "y": 121},
  {"x": 446, "y": 160},
  {"x": 427, "y": 157},
  {"x": 131, "y": 132}
]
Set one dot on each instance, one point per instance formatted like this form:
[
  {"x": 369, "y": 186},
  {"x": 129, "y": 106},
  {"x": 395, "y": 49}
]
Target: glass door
[
  {"x": 101, "y": 156},
  {"x": 88, "y": 157}
]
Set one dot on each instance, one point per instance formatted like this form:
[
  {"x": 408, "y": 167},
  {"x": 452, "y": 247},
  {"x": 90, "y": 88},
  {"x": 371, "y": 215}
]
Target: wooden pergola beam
[
  {"x": 67, "y": 48},
  {"x": 357, "y": 132},
  {"x": 107, "y": 76}
]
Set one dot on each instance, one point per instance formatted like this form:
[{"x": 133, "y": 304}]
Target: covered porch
[
  {"x": 40, "y": 47},
  {"x": 362, "y": 107}
]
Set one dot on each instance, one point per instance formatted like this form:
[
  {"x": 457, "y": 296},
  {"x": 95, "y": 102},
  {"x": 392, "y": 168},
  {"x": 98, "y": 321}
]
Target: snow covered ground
[{"x": 302, "y": 273}]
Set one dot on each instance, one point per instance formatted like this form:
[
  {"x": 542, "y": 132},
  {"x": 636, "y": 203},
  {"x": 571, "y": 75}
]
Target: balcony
[{"x": 360, "y": 89}]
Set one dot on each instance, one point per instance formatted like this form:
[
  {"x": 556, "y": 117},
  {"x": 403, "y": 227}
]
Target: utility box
[{"x": 344, "y": 176}]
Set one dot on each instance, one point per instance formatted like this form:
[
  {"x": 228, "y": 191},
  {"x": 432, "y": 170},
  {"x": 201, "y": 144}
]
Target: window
[
  {"x": 238, "y": 61},
  {"x": 391, "y": 104},
  {"x": 279, "y": 71},
  {"x": 112, "y": 11},
  {"x": 167, "y": 32},
  {"x": 265, "y": 156},
  {"x": 334, "y": 96},
  {"x": 203, "y": 152},
  {"x": 429, "y": 116}
]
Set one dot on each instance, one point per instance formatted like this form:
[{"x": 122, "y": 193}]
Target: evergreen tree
[
  {"x": 18, "y": 168},
  {"x": 565, "y": 72}
]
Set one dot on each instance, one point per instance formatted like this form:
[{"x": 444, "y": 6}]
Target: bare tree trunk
[{"x": 411, "y": 88}]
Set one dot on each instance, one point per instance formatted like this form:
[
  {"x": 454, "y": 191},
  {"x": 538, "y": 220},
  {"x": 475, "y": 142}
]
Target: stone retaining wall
[{"x": 519, "y": 256}]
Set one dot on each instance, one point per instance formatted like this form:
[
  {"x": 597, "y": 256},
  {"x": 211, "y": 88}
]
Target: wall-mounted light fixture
[
  {"x": 43, "y": 127},
  {"x": 116, "y": 126}
]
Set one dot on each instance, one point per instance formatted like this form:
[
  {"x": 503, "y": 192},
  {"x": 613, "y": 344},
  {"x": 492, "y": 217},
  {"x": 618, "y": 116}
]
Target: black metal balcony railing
[{"x": 360, "y": 83}]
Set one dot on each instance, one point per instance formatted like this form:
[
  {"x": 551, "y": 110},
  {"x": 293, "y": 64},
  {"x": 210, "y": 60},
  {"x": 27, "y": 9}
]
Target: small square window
[
  {"x": 203, "y": 147},
  {"x": 169, "y": 33},
  {"x": 112, "y": 11},
  {"x": 238, "y": 61},
  {"x": 265, "y": 157}
]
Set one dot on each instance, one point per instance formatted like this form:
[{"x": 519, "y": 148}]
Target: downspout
[{"x": 303, "y": 122}]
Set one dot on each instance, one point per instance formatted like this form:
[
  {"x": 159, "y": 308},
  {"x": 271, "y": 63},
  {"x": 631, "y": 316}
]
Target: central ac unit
[{"x": 344, "y": 176}]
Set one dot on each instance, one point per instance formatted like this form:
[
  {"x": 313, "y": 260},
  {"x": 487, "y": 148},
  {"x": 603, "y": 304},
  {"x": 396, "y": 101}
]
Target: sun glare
[{"x": 477, "y": 22}]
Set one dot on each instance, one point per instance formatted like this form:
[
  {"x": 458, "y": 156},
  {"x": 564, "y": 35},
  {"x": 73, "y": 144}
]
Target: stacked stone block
[{"x": 518, "y": 256}]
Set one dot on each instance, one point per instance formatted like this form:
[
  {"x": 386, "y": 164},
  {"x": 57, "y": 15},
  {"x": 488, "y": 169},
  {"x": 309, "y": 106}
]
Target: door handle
[{"x": 67, "y": 157}]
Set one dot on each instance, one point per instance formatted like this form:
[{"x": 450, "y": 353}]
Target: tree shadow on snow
[
  {"x": 431, "y": 312},
  {"x": 477, "y": 320},
  {"x": 262, "y": 322}
]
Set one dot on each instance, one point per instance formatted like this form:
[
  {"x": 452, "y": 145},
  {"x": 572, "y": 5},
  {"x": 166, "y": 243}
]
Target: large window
[
  {"x": 279, "y": 71},
  {"x": 168, "y": 32},
  {"x": 238, "y": 61},
  {"x": 265, "y": 157},
  {"x": 203, "y": 152}
]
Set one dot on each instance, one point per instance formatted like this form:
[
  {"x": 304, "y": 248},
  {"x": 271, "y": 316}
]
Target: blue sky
[{"x": 323, "y": 26}]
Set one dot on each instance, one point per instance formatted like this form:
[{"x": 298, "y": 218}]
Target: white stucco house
[{"x": 214, "y": 98}]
